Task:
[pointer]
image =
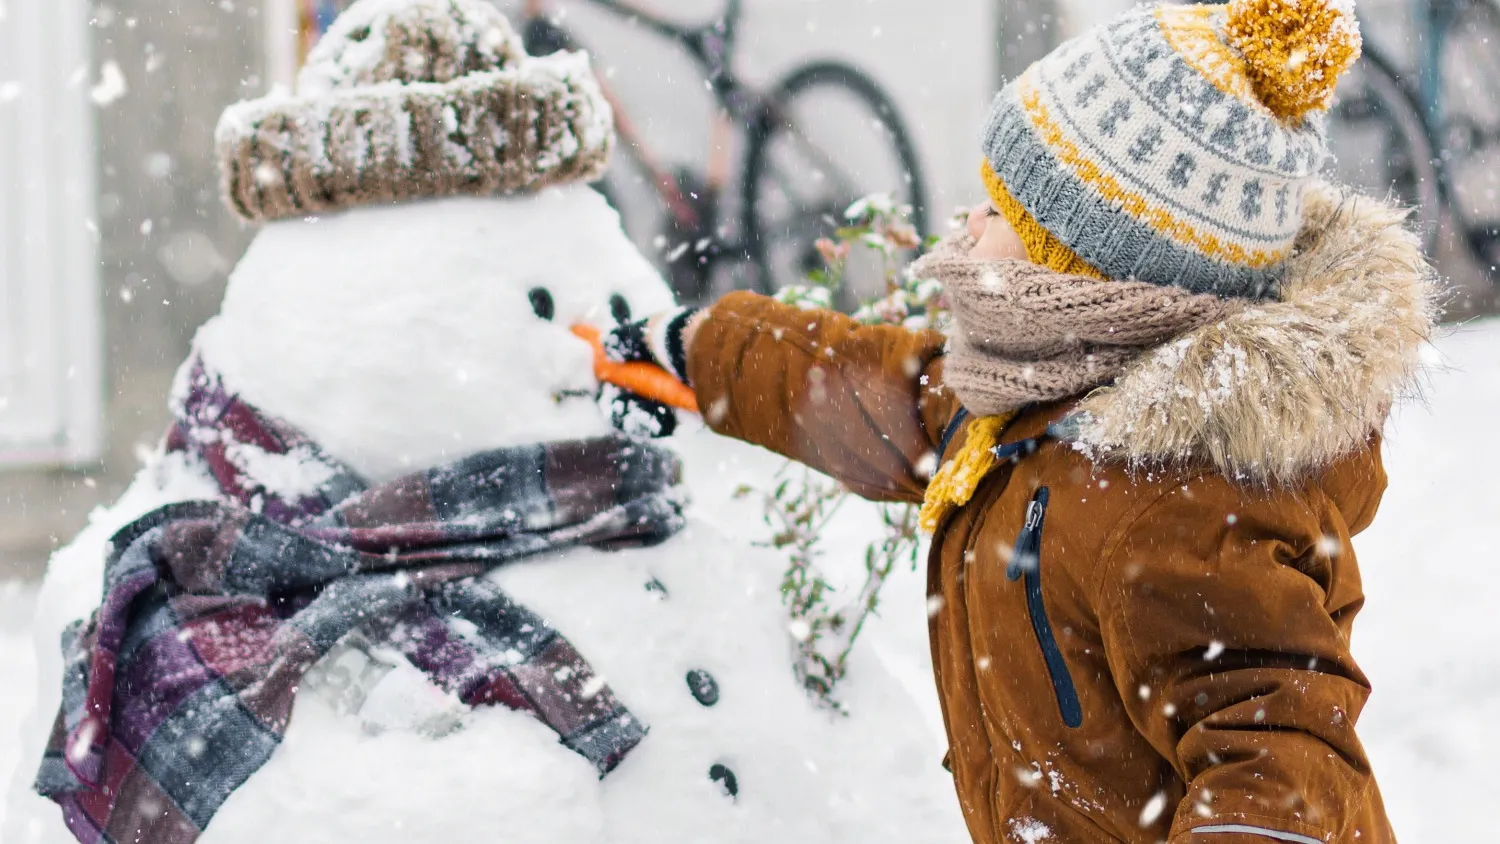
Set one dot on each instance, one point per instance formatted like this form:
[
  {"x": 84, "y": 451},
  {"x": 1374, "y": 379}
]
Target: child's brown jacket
[{"x": 1141, "y": 625}]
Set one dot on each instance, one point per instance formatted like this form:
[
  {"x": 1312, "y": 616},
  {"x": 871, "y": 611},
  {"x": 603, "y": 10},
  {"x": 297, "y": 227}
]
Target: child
[{"x": 1148, "y": 444}]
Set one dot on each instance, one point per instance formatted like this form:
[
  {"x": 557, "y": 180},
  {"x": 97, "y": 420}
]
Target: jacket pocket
[{"x": 1026, "y": 563}]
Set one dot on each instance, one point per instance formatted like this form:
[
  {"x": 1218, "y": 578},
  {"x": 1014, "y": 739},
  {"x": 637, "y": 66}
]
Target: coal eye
[
  {"x": 619, "y": 308},
  {"x": 542, "y": 304}
]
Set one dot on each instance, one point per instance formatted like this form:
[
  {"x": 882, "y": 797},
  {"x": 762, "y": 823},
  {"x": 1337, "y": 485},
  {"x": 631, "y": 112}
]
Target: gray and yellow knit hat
[
  {"x": 406, "y": 99},
  {"x": 1174, "y": 144}
]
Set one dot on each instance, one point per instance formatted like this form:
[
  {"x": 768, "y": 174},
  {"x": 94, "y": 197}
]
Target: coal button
[
  {"x": 726, "y": 778},
  {"x": 704, "y": 687}
]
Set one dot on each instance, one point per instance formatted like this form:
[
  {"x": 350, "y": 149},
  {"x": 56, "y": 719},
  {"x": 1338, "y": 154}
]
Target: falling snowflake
[{"x": 111, "y": 85}]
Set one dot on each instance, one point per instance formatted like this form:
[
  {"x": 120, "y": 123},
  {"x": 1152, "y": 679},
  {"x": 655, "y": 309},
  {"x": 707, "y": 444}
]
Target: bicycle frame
[
  {"x": 1432, "y": 18},
  {"x": 711, "y": 47}
]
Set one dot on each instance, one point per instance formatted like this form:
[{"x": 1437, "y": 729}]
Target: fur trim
[{"x": 1281, "y": 389}]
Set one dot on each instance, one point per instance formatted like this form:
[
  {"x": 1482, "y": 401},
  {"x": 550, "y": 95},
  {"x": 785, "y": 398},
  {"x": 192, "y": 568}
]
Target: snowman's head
[
  {"x": 400, "y": 337},
  {"x": 430, "y": 240}
]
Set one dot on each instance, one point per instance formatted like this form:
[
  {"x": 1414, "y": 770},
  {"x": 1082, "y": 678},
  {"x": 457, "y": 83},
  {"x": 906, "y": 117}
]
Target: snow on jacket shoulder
[{"x": 1144, "y": 619}]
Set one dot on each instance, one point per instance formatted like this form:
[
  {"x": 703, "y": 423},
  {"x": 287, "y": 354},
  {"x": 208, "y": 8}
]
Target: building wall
[{"x": 166, "y": 243}]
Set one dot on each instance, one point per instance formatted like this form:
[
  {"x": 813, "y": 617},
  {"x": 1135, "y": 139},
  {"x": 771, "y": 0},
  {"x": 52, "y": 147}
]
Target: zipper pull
[{"x": 1027, "y": 556}]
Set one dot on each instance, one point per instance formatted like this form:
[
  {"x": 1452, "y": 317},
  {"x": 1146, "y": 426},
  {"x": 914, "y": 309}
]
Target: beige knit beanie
[{"x": 406, "y": 99}]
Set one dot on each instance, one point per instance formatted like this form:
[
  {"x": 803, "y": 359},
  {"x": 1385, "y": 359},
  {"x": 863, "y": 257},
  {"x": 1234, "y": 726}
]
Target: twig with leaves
[{"x": 803, "y": 501}]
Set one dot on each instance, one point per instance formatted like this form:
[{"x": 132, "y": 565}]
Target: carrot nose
[{"x": 644, "y": 379}]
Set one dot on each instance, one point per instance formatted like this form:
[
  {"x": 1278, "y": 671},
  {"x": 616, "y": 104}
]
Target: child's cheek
[{"x": 998, "y": 242}]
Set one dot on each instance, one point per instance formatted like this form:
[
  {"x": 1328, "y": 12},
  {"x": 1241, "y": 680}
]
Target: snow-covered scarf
[{"x": 182, "y": 683}]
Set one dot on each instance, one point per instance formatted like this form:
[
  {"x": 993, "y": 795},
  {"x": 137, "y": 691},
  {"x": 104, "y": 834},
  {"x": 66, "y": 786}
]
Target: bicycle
[
  {"x": 1456, "y": 76},
  {"x": 794, "y": 182},
  {"x": 1434, "y": 144}
]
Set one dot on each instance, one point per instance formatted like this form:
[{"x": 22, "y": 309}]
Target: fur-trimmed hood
[{"x": 1280, "y": 389}]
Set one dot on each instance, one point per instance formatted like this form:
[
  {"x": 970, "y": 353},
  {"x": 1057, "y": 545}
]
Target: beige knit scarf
[{"x": 1025, "y": 334}]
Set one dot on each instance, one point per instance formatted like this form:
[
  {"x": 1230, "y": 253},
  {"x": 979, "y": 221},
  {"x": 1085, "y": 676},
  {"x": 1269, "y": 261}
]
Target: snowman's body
[{"x": 404, "y": 337}]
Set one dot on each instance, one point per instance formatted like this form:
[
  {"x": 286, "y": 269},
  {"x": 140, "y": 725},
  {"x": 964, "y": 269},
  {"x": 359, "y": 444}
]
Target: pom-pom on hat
[
  {"x": 1294, "y": 50},
  {"x": 1173, "y": 145},
  {"x": 408, "y": 99}
]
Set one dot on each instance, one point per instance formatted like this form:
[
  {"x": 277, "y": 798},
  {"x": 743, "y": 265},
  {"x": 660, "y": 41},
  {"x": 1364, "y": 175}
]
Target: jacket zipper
[{"x": 1026, "y": 563}]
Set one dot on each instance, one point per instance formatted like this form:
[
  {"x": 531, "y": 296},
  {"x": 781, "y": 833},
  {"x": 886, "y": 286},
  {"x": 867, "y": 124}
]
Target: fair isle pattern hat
[
  {"x": 1174, "y": 145},
  {"x": 407, "y": 99}
]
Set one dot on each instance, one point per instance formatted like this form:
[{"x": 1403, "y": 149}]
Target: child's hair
[{"x": 1174, "y": 144}]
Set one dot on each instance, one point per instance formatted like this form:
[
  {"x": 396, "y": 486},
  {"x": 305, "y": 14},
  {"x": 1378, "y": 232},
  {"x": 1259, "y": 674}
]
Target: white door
[{"x": 50, "y": 327}]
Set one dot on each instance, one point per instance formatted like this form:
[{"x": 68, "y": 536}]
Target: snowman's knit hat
[
  {"x": 1173, "y": 145},
  {"x": 405, "y": 99}
]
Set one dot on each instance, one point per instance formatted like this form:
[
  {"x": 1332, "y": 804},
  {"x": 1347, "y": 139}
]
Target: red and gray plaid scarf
[{"x": 181, "y": 684}]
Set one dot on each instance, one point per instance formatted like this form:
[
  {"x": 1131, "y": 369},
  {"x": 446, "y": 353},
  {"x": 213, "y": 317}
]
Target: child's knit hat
[{"x": 1173, "y": 145}]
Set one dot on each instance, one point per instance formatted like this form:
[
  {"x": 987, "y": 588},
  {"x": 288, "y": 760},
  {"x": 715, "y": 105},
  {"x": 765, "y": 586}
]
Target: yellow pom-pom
[{"x": 1295, "y": 50}]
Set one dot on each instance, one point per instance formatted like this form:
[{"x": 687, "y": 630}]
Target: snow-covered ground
[
  {"x": 1427, "y": 634},
  {"x": 1426, "y": 637},
  {"x": 17, "y": 675}
]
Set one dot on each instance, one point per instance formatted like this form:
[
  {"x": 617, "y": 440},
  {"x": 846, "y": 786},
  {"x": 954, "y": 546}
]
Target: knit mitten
[
  {"x": 635, "y": 416},
  {"x": 657, "y": 340}
]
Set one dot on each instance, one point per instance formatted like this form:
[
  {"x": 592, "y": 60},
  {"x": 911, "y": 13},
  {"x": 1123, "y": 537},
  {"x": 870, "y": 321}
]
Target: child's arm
[
  {"x": 1225, "y": 618},
  {"x": 861, "y": 403}
]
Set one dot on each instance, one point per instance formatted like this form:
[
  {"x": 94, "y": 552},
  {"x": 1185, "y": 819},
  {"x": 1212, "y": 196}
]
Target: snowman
[{"x": 429, "y": 242}]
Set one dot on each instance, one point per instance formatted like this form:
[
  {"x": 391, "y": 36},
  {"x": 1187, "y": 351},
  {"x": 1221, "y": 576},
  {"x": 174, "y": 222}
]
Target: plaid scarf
[{"x": 181, "y": 685}]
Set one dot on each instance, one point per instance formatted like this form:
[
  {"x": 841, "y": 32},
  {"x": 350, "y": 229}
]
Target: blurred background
[{"x": 114, "y": 245}]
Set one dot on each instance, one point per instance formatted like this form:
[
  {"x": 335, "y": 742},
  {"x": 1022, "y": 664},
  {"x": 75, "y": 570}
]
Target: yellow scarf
[{"x": 955, "y": 482}]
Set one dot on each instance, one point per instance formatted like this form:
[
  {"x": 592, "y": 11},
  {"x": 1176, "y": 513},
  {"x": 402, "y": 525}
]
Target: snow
[
  {"x": 295, "y": 329},
  {"x": 1425, "y": 637},
  {"x": 1030, "y": 830},
  {"x": 403, "y": 337},
  {"x": 1427, "y": 634},
  {"x": 297, "y": 474},
  {"x": 30, "y": 660},
  {"x": 357, "y": 47},
  {"x": 111, "y": 86},
  {"x": 385, "y": 61},
  {"x": 18, "y": 667}
]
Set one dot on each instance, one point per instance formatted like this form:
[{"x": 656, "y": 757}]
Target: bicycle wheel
[
  {"x": 1469, "y": 68},
  {"x": 1380, "y": 143},
  {"x": 827, "y": 136}
]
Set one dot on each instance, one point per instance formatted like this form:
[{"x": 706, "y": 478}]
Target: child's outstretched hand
[{"x": 642, "y": 366}]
